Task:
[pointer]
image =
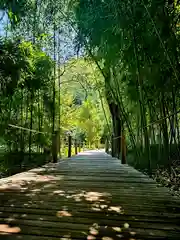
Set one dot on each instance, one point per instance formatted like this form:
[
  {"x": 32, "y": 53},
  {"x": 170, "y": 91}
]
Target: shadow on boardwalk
[{"x": 90, "y": 196}]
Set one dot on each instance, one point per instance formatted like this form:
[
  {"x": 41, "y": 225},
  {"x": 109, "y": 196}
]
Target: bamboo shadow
[{"x": 46, "y": 205}]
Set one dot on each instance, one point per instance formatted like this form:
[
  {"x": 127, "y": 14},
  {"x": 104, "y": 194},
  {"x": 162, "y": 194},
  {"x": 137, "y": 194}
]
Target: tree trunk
[
  {"x": 123, "y": 147},
  {"x": 59, "y": 100},
  {"x": 116, "y": 139},
  {"x": 69, "y": 145},
  {"x": 151, "y": 127},
  {"x": 31, "y": 123},
  {"x": 55, "y": 146},
  {"x": 141, "y": 98},
  {"x": 54, "y": 82},
  {"x": 164, "y": 130},
  {"x": 39, "y": 118},
  {"x": 75, "y": 145}
]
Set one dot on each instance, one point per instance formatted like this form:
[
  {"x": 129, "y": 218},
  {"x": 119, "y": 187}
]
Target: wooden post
[
  {"x": 107, "y": 145},
  {"x": 55, "y": 145},
  {"x": 69, "y": 145},
  {"x": 79, "y": 145},
  {"x": 113, "y": 146},
  {"x": 75, "y": 145},
  {"x": 60, "y": 143},
  {"x": 123, "y": 148}
]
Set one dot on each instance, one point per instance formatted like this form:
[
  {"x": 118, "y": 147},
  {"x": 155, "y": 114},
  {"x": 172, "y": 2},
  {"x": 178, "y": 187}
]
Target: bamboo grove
[
  {"x": 136, "y": 46},
  {"x": 44, "y": 87},
  {"x": 125, "y": 51}
]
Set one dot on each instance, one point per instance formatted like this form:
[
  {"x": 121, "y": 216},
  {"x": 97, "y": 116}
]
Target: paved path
[{"x": 90, "y": 196}]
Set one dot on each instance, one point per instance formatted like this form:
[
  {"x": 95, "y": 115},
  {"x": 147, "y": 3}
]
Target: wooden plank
[
  {"x": 33, "y": 237},
  {"x": 81, "y": 218},
  {"x": 95, "y": 214},
  {"x": 74, "y": 210},
  {"x": 70, "y": 222},
  {"x": 38, "y": 201},
  {"x": 41, "y": 212},
  {"x": 84, "y": 230},
  {"x": 29, "y": 237},
  {"x": 85, "y": 225},
  {"x": 86, "y": 198}
]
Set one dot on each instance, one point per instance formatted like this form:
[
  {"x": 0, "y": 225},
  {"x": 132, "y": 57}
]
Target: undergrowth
[
  {"x": 165, "y": 174},
  {"x": 169, "y": 177}
]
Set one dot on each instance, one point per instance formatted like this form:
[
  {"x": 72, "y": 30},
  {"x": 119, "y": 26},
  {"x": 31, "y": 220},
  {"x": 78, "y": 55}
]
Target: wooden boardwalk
[{"x": 90, "y": 196}]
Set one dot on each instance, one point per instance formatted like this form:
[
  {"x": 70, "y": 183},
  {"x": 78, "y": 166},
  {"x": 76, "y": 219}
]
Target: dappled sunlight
[
  {"x": 126, "y": 225},
  {"x": 93, "y": 231},
  {"x": 95, "y": 196},
  {"x": 59, "y": 192},
  {"x": 117, "y": 209},
  {"x": 95, "y": 201},
  {"x": 103, "y": 206},
  {"x": 72, "y": 204},
  {"x": 32, "y": 194},
  {"x": 59, "y": 206},
  {"x": 107, "y": 238},
  {"x": 91, "y": 237},
  {"x": 63, "y": 214},
  {"x": 106, "y": 232},
  {"x": 38, "y": 170},
  {"x": 21, "y": 181},
  {"x": 91, "y": 153},
  {"x": 10, "y": 219},
  {"x": 36, "y": 190},
  {"x": 117, "y": 229},
  {"x": 66, "y": 237},
  {"x": 51, "y": 185},
  {"x": 11, "y": 187},
  {"x": 77, "y": 196},
  {"x": 98, "y": 207},
  {"x": 84, "y": 196},
  {"x": 6, "y": 229}
]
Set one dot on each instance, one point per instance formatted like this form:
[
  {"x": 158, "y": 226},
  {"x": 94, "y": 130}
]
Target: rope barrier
[
  {"x": 114, "y": 138},
  {"x": 150, "y": 124},
  {"x": 27, "y": 129},
  {"x": 30, "y": 130}
]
